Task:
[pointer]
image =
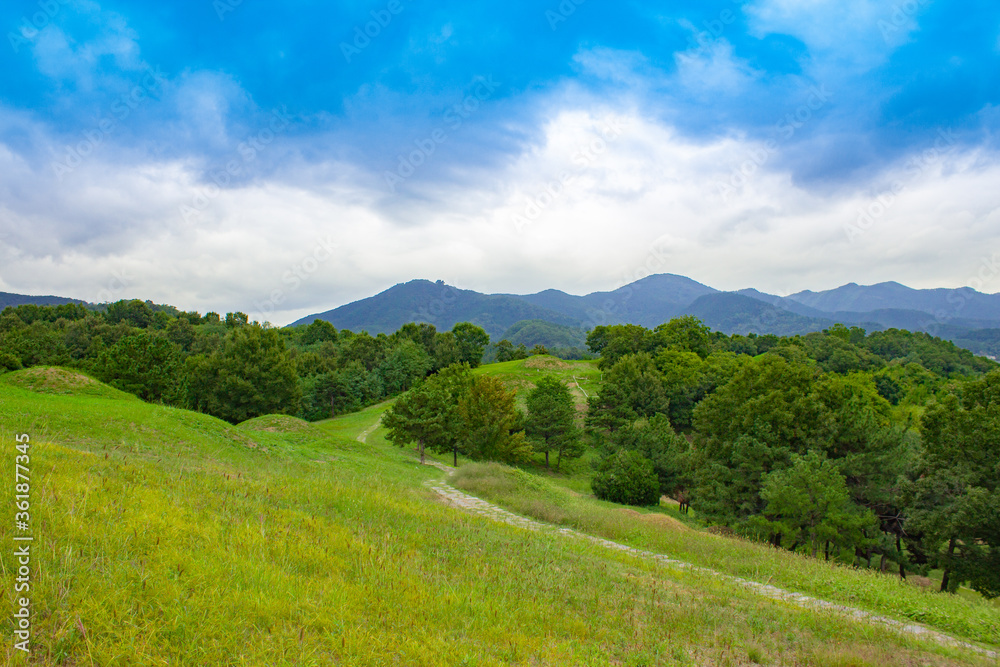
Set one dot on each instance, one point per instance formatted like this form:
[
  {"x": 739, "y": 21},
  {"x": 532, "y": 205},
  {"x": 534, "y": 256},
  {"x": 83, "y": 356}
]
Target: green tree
[
  {"x": 632, "y": 389},
  {"x": 319, "y": 331},
  {"x": 471, "y": 341},
  {"x": 429, "y": 415},
  {"x": 627, "y": 477},
  {"x": 144, "y": 365},
  {"x": 550, "y": 423},
  {"x": 505, "y": 350},
  {"x": 687, "y": 333},
  {"x": 253, "y": 375},
  {"x": 491, "y": 424},
  {"x": 809, "y": 503},
  {"x": 955, "y": 501},
  {"x": 135, "y": 313},
  {"x": 656, "y": 440}
]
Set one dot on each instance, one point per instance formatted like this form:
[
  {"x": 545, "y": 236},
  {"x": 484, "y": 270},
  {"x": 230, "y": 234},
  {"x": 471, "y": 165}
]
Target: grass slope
[{"x": 168, "y": 537}]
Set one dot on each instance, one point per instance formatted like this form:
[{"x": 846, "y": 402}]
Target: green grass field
[{"x": 165, "y": 537}]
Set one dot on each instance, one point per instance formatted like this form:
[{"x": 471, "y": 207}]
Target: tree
[
  {"x": 404, "y": 365},
  {"x": 143, "y": 365},
  {"x": 135, "y": 313},
  {"x": 627, "y": 477},
  {"x": 809, "y": 503},
  {"x": 687, "y": 333},
  {"x": 491, "y": 423},
  {"x": 471, "y": 341},
  {"x": 632, "y": 389},
  {"x": 550, "y": 423},
  {"x": 955, "y": 501},
  {"x": 668, "y": 452},
  {"x": 253, "y": 375},
  {"x": 505, "y": 350},
  {"x": 429, "y": 414},
  {"x": 319, "y": 331}
]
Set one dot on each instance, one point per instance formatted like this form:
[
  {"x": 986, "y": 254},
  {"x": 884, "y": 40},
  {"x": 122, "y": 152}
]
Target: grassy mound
[
  {"x": 277, "y": 424},
  {"x": 54, "y": 380}
]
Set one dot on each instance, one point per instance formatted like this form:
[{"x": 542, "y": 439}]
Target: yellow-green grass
[
  {"x": 971, "y": 619},
  {"x": 167, "y": 537}
]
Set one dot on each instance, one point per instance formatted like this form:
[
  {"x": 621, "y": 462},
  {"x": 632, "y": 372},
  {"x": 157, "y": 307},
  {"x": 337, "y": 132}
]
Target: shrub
[{"x": 628, "y": 478}]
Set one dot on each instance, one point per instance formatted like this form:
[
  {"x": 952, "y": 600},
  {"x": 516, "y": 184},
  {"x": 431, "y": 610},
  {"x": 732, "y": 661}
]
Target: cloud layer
[{"x": 284, "y": 161}]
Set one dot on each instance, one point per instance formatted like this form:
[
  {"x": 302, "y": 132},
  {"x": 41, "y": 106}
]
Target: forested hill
[{"x": 968, "y": 318}]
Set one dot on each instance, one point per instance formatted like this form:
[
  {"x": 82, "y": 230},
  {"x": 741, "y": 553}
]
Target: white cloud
[
  {"x": 607, "y": 197},
  {"x": 857, "y": 33}
]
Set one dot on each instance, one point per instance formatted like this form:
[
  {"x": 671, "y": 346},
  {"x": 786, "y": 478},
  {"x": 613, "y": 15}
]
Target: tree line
[
  {"x": 229, "y": 367},
  {"x": 458, "y": 413},
  {"x": 840, "y": 444}
]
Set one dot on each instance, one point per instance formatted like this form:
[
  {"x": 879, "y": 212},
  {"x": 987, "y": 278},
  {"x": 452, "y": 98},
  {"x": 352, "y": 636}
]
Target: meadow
[{"x": 163, "y": 536}]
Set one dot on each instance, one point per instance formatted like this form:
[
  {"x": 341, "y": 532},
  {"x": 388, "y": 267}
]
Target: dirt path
[
  {"x": 363, "y": 436},
  {"x": 469, "y": 503}
]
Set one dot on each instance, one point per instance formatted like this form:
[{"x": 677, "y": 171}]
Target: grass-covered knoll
[
  {"x": 582, "y": 377},
  {"x": 521, "y": 492},
  {"x": 168, "y": 537},
  {"x": 55, "y": 380}
]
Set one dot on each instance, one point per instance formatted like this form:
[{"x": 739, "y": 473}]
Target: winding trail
[
  {"x": 363, "y": 436},
  {"x": 469, "y": 503}
]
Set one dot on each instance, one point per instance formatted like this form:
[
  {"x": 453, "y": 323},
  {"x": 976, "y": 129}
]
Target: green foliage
[
  {"x": 627, "y": 477},
  {"x": 143, "y": 365},
  {"x": 252, "y": 376},
  {"x": 809, "y": 503},
  {"x": 956, "y": 498},
  {"x": 471, "y": 342},
  {"x": 632, "y": 389},
  {"x": 666, "y": 451},
  {"x": 431, "y": 415},
  {"x": 550, "y": 422},
  {"x": 491, "y": 425}
]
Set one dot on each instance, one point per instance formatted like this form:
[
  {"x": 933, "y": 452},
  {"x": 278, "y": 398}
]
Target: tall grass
[
  {"x": 976, "y": 620},
  {"x": 169, "y": 538}
]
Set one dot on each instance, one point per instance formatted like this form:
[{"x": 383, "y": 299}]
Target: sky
[{"x": 283, "y": 160}]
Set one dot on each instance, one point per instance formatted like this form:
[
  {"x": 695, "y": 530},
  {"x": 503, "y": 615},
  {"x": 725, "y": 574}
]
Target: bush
[{"x": 628, "y": 478}]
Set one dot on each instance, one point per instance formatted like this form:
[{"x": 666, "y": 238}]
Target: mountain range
[{"x": 967, "y": 317}]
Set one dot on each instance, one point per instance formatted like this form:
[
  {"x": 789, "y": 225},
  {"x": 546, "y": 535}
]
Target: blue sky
[{"x": 286, "y": 159}]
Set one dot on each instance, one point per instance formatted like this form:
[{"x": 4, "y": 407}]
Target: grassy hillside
[{"x": 163, "y": 536}]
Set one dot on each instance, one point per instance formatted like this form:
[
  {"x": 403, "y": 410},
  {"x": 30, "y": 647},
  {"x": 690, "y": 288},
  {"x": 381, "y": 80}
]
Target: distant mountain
[
  {"x": 964, "y": 302},
  {"x": 437, "y": 304},
  {"x": 730, "y": 312},
  {"x": 963, "y": 315},
  {"x": 11, "y": 300}
]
